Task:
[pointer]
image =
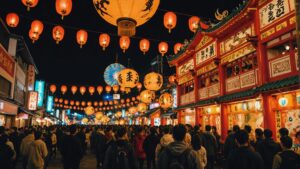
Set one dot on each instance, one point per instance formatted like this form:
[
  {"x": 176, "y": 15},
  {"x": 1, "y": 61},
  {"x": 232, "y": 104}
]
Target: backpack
[
  {"x": 179, "y": 161},
  {"x": 121, "y": 160}
]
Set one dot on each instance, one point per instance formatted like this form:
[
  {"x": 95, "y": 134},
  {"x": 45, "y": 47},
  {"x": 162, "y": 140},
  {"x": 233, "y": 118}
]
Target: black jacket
[
  {"x": 209, "y": 143},
  {"x": 150, "y": 144},
  {"x": 71, "y": 149},
  {"x": 6, "y": 154},
  {"x": 229, "y": 145},
  {"x": 267, "y": 149}
]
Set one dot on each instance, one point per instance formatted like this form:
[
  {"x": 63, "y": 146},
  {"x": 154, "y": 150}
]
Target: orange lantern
[
  {"x": 61, "y": 100},
  {"x": 105, "y": 103},
  {"x": 89, "y": 110},
  {"x": 99, "y": 115},
  {"x": 163, "y": 48},
  {"x": 55, "y": 99},
  {"x": 122, "y": 101},
  {"x": 115, "y": 88},
  {"x": 92, "y": 90},
  {"x": 177, "y": 48},
  {"x": 66, "y": 102},
  {"x": 108, "y": 89},
  {"x": 124, "y": 43},
  {"x": 95, "y": 103},
  {"x": 74, "y": 89},
  {"x": 83, "y": 103},
  {"x": 37, "y": 27},
  {"x": 89, "y": 103},
  {"x": 52, "y": 88},
  {"x": 12, "y": 20},
  {"x": 133, "y": 98},
  {"x": 63, "y": 89},
  {"x": 139, "y": 86},
  {"x": 172, "y": 79},
  {"x": 30, "y": 3},
  {"x": 170, "y": 20},
  {"x": 132, "y": 110},
  {"x": 110, "y": 102},
  {"x": 33, "y": 36},
  {"x": 72, "y": 102},
  {"x": 99, "y": 89},
  {"x": 100, "y": 103},
  {"x": 63, "y": 7},
  {"x": 104, "y": 40},
  {"x": 77, "y": 103},
  {"x": 122, "y": 89},
  {"x": 142, "y": 107},
  {"x": 138, "y": 97},
  {"x": 58, "y": 33},
  {"x": 127, "y": 100},
  {"x": 144, "y": 45},
  {"x": 82, "y": 90},
  {"x": 194, "y": 23},
  {"x": 81, "y": 37}
]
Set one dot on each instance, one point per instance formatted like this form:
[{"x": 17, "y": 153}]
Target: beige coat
[
  {"x": 25, "y": 144},
  {"x": 37, "y": 152}
]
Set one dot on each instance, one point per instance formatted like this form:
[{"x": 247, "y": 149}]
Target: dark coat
[
  {"x": 229, "y": 144},
  {"x": 150, "y": 144},
  {"x": 71, "y": 149},
  {"x": 6, "y": 154},
  {"x": 100, "y": 143},
  {"x": 209, "y": 143},
  {"x": 267, "y": 149}
]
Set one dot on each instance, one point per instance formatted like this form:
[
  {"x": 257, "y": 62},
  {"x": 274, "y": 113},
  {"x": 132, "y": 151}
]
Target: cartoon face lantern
[{"x": 153, "y": 81}]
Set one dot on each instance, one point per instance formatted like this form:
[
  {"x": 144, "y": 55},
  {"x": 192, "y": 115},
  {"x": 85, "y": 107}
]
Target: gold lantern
[
  {"x": 153, "y": 81},
  {"x": 132, "y": 110},
  {"x": 166, "y": 100},
  {"x": 89, "y": 110},
  {"x": 128, "y": 78},
  {"x": 85, "y": 120},
  {"x": 142, "y": 107},
  {"x": 118, "y": 114},
  {"x": 99, "y": 115},
  {"x": 126, "y": 14},
  {"x": 147, "y": 96}
]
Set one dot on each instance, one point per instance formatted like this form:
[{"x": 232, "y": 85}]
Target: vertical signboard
[
  {"x": 49, "y": 104},
  {"x": 40, "y": 88},
  {"x": 32, "y": 101},
  {"x": 30, "y": 77}
]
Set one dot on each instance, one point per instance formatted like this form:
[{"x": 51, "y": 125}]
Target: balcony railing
[
  {"x": 187, "y": 98},
  {"x": 241, "y": 81},
  {"x": 210, "y": 91}
]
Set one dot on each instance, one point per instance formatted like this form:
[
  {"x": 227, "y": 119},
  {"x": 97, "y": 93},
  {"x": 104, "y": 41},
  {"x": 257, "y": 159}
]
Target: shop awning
[
  {"x": 149, "y": 112},
  {"x": 290, "y": 81},
  {"x": 239, "y": 95},
  {"x": 23, "y": 110}
]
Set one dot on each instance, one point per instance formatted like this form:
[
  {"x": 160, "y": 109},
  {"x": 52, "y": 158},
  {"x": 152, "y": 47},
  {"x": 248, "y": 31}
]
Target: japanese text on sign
[
  {"x": 6, "y": 62},
  {"x": 186, "y": 67},
  {"x": 206, "y": 53},
  {"x": 32, "y": 100}
]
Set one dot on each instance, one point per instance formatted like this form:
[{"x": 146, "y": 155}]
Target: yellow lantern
[
  {"x": 89, "y": 110},
  {"x": 128, "y": 78},
  {"x": 99, "y": 115},
  {"x": 118, "y": 114},
  {"x": 166, "y": 100},
  {"x": 127, "y": 15},
  {"x": 153, "y": 81},
  {"x": 142, "y": 107},
  {"x": 132, "y": 110},
  {"x": 85, "y": 120},
  {"x": 147, "y": 96}
]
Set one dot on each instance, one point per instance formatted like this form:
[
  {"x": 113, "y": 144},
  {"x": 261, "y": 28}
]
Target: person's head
[
  {"x": 248, "y": 128},
  {"x": 207, "y": 128},
  {"x": 214, "y": 129},
  {"x": 37, "y": 135},
  {"x": 235, "y": 128},
  {"x": 286, "y": 142},
  {"x": 196, "y": 142},
  {"x": 283, "y": 132},
  {"x": 268, "y": 133},
  {"x": 259, "y": 133},
  {"x": 73, "y": 129},
  {"x": 140, "y": 131},
  {"x": 196, "y": 129},
  {"x": 2, "y": 130},
  {"x": 121, "y": 133},
  {"x": 179, "y": 132},
  {"x": 242, "y": 137},
  {"x": 298, "y": 136},
  {"x": 153, "y": 130},
  {"x": 166, "y": 130}
]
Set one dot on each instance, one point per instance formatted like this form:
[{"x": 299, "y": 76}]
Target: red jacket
[{"x": 138, "y": 147}]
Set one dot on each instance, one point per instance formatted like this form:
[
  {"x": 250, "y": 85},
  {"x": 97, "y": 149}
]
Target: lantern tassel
[
  {"x": 123, "y": 50},
  {"x": 169, "y": 30},
  {"x": 57, "y": 42},
  {"x": 81, "y": 46},
  {"x": 28, "y": 8},
  {"x": 103, "y": 48},
  {"x": 62, "y": 17}
]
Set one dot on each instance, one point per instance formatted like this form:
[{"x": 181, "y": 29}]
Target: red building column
[
  {"x": 269, "y": 115},
  {"x": 224, "y": 121}
]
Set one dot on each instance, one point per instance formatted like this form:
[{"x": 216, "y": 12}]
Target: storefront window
[
  {"x": 209, "y": 79},
  {"x": 279, "y": 50},
  {"x": 5, "y": 87},
  {"x": 187, "y": 87},
  {"x": 241, "y": 65}
]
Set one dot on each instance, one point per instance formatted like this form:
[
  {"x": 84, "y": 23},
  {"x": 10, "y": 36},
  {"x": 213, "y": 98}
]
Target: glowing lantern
[
  {"x": 82, "y": 90},
  {"x": 126, "y": 14},
  {"x": 153, "y": 81},
  {"x": 108, "y": 89},
  {"x": 166, "y": 100},
  {"x": 66, "y": 102},
  {"x": 128, "y": 78},
  {"x": 104, "y": 40},
  {"x": 133, "y": 98},
  {"x": 37, "y": 27},
  {"x": 115, "y": 88},
  {"x": 110, "y": 103},
  {"x": 105, "y": 103},
  {"x": 124, "y": 43},
  {"x": 55, "y": 99},
  {"x": 83, "y": 103},
  {"x": 77, "y": 103},
  {"x": 170, "y": 20},
  {"x": 63, "y": 89},
  {"x": 33, "y": 36},
  {"x": 30, "y": 3},
  {"x": 81, "y": 37},
  {"x": 99, "y": 89},
  {"x": 163, "y": 48},
  {"x": 52, "y": 88},
  {"x": 118, "y": 114},
  {"x": 100, "y": 103},
  {"x": 92, "y": 90},
  {"x": 98, "y": 115},
  {"x": 95, "y": 103},
  {"x": 122, "y": 122},
  {"x": 122, "y": 89},
  {"x": 61, "y": 100},
  {"x": 122, "y": 101},
  {"x": 85, "y": 120},
  {"x": 115, "y": 101},
  {"x": 144, "y": 45},
  {"x": 12, "y": 20},
  {"x": 142, "y": 107},
  {"x": 138, "y": 98},
  {"x": 177, "y": 48},
  {"x": 132, "y": 110},
  {"x": 194, "y": 22},
  {"x": 72, "y": 102},
  {"x": 63, "y": 7},
  {"x": 139, "y": 86},
  {"x": 74, "y": 89},
  {"x": 58, "y": 33},
  {"x": 172, "y": 79},
  {"x": 147, "y": 96}
]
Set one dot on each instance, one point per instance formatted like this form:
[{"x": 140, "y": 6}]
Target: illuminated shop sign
[
  {"x": 40, "y": 88},
  {"x": 49, "y": 104},
  {"x": 32, "y": 100}
]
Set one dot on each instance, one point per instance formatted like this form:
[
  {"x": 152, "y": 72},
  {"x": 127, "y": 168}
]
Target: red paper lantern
[
  {"x": 63, "y": 7},
  {"x": 63, "y": 89},
  {"x": 104, "y": 40},
  {"x": 92, "y": 90},
  {"x": 52, "y": 88},
  {"x": 124, "y": 43},
  {"x": 194, "y": 22},
  {"x": 170, "y": 20},
  {"x": 30, "y": 3},
  {"x": 82, "y": 90},
  {"x": 144, "y": 45},
  {"x": 58, "y": 33},
  {"x": 74, "y": 89},
  {"x": 33, "y": 36},
  {"x": 163, "y": 48},
  {"x": 99, "y": 89},
  {"x": 108, "y": 89},
  {"x": 81, "y": 37},
  {"x": 12, "y": 20},
  {"x": 37, "y": 27}
]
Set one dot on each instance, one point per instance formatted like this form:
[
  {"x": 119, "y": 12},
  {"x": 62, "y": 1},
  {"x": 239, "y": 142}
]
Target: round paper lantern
[
  {"x": 55, "y": 99},
  {"x": 58, "y": 33},
  {"x": 126, "y": 14},
  {"x": 110, "y": 102},
  {"x": 138, "y": 98},
  {"x": 127, "y": 100},
  {"x": 142, "y": 107},
  {"x": 89, "y": 110},
  {"x": 77, "y": 103},
  {"x": 95, "y": 103},
  {"x": 82, "y": 90},
  {"x": 128, "y": 78},
  {"x": 61, "y": 100},
  {"x": 139, "y": 86},
  {"x": 122, "y": 122},
  {"x": 170, "y": 20},
  {"x": 81, "y": 37},
  {"x": 52, "y": 88},
  {"x": 104, "y": 40},
  {"x": 33, "y": 36},
  {"x": 177, "y": 48},
  {"x": 115, "y": 88},
  {"x": 63, "y": 89},
  {"x": 99, "y": 89},
  {"x": 85, "y": 120},
  {"x": 172, "y": 79},
  {"x": 37, "y": 27},
  {"x": 122, "y": 89},
  {"x": 83, "y": 103},
  {"x": 153, "y": 81},
  {"x": 194, "y": 22},
  {"x": 106, "y": 103},
  {"x": 63, "y": 7},
  {"x": 124, "y": 43},
  {"x": 12, "y": 20},
  {"x": 89, "y": 103},
  {"x": 118, "y": 114},
  {"x": 147, "y": 96},
  {"x": 74, "y": 89},
  {"x": 108, "y": 89},
  {"x": 111, "y": 73},
  {"x": 66, "y": 102},
  {"x": 144, "y": 45},
  {"x": 72, "y": 102},
  {"x": 133, "y": 98},
  {"x": 101, "y": 103},
  {"x": 92, "y": 90},
  {"x": 163, "y": 48},
  {"x": 166, "y": 100},
  {"x": 30, "y": 3},
  {"x": 99, "y": 115},
  {"x": 132, "y": 110}
]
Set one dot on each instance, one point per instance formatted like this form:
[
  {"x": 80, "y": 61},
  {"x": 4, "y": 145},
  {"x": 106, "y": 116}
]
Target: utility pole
[{"x": 297, "y": 9}]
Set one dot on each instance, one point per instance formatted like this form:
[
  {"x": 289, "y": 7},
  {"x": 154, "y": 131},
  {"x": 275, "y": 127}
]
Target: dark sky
[{"x": 66, "y": 63}]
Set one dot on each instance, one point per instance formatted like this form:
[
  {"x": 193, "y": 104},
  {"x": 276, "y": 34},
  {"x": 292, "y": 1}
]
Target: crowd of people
[{"x": 163, "y": 147}]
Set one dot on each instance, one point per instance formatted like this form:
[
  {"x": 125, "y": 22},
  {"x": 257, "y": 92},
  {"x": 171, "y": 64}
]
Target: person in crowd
[
  {"x": 100, "y": 143},
  {"x": 259, "y": 138},
  {"x": 287, "y": 158},
  {"x": 26, "y": 141},
  {"x": 109, "y": 136},
  {"x": 178, "y": 153},
  {"x": 197, "y": 146},
  {"x": 88, "y": 137},
  {"x": 72, "y": 150},
  {"x": 230, "y": 143},
  {"x": 165, "y": 140},
  {"x": 6, "y": 153},
  {"x": 93, "y": 139},
  {"x": 82, "y": 138},
  {"x": 296, "y": 147},
  {"x": 138, "y": 146},
  {"x": 197, "y": 130},
  {"x": 243, "y": 157},
  {"x": 37, "y": 152},
  {"x": 150, "y": 143},
  {"x": 283, "y": 132},
  {"x": 251, "y": 135},
  {"x": 120, "y": 154},
  {"x": 15, "y": 139},
  {"x": 210, "y": 144},
  {"x": 217, "y": 136}
]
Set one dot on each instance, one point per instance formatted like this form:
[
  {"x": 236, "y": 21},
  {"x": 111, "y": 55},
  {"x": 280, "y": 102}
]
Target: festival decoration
[
  {"x": 63, "y": 7},
  {"x": 58, "y": 33},
  {"x": 147, "y": 96},
  {"x": 99, "y": 115},
  {"x": 111, "y": 73},
  {"x": 128, "y": 78},
  {"x": 37, "y": 27},
  {"x": 177, "y": 47},
  {"x": 170, "y": 20},
  {"x": 108, "y": 89},
  {"x": 122, "y": 89},
  {"x": 118, "y": 114},
  {"x": 142, "y": 107},
  {"x": 99, "y": 89},
  {"x": 63, "y": 89},
  {"x": 85, "y": 120},
  {"x": 153, "y": 81},
  {"x": 139, "y": 86},
  {"x": 33, "y": 36},
  {"x": 101, "y": 103},
  {"x": 82, "y": 90},
  {"x": 115, "y": 88},
  {"x": 172, "y": 79},
  {"x": 144, "y": 45},
  {"x": 12, "y": 20},
  {"x": 73, "y": 89},
  {"x": 124, "y": 43},
  {"x": 132, "y": 110},
  {"x": 30, "y": 3},
  {"x": 95, "y": 103},
  {"x": 52, "y": 88},
  {"x": 104, "y": 40},
  {"x": 89, "y": 103},
  {"x": 61, "y": 100},
  {"x": 122, "y": 122},
  {"x": 166, "y": 100},
  {"x": 163, "y": 48},
  {"x": 81, "y": 37},
  {"x": 89, "y": 110},
  {"x": 194, "y": 22},
  {"x": 83, "y": 103},
  {"x": 66, "y": 102},
  {"x": 92, "y": 90},
  {"x": 77, "y": 103},
  {"x": 72, "y": 102}
]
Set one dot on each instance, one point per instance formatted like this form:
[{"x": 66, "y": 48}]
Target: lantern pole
[{"x": 297, "y": 10}]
